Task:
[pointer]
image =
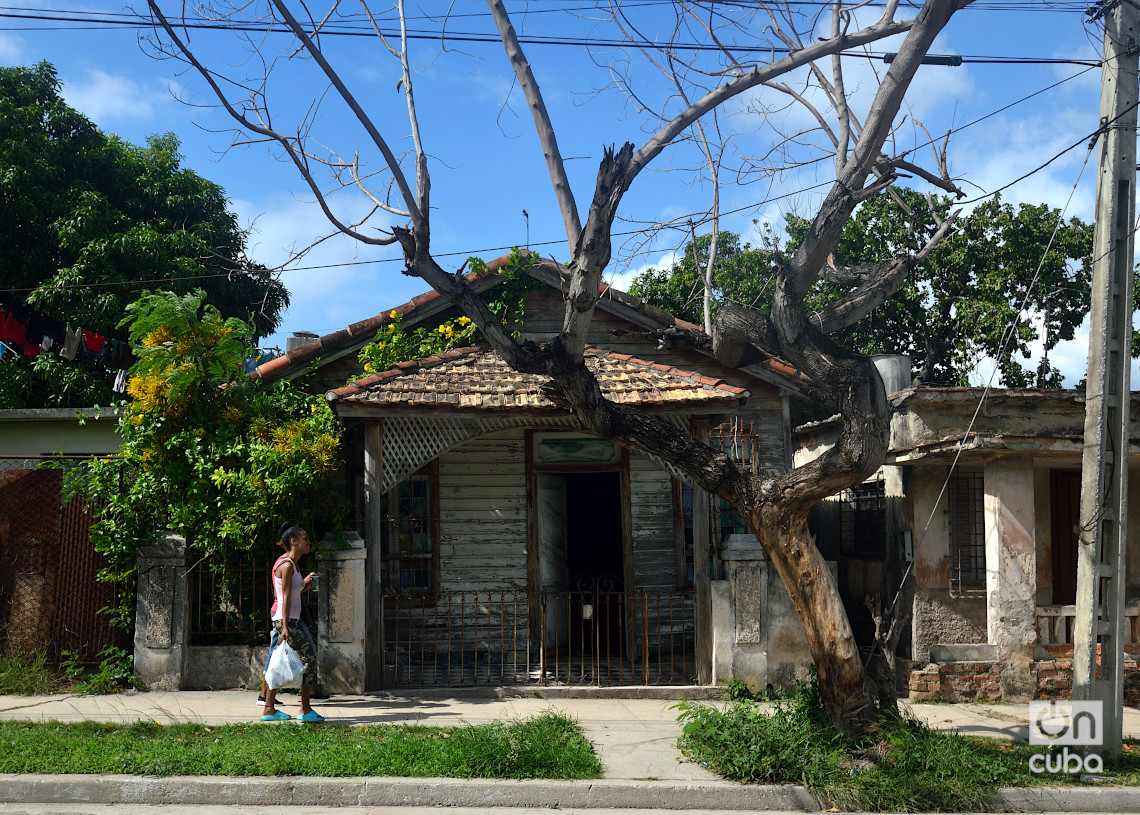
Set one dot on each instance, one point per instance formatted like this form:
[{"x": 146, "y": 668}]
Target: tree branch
[
  {"x": 759, "y": 76},
  {"x": 546, "y": 136},
  {"x": 880, "y": 281},
  {"x": 295, "y": 155},
  {"x": 824, "y": 233},
  {"x": 418, "y": 215}
]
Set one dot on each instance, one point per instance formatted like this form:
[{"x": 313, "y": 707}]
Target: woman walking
[{"x": 288, "y": 625}]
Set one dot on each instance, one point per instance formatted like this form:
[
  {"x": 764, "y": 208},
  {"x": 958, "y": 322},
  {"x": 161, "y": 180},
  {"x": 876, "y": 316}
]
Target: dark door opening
[
  {"x": 1065, "y": 498},
  {"x": 593, "y": 528},
  {"x": 594, "y": 559}
]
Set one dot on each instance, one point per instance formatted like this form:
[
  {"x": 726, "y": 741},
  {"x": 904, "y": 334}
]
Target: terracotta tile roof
[
  {"x": 358, "y": 334},
  {"x": 363, "y": 331},
  {"x": 476, "y": 378}
]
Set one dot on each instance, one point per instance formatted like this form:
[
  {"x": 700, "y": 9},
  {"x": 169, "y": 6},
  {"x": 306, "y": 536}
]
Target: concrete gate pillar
[
  {"x": 740, "y": 642},
  {"x": 340, "y": 613},
  {"x": 162, "y": 617},
  {"x": 1011, "y": 572},
  {"x": 757, "y": 634}
]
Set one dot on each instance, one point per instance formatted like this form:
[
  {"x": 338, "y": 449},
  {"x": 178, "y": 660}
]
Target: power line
[
  {"x": 474, "y": 252},
  {"x": 315, "y": 267},
  {"x": 97, "y": 20}
]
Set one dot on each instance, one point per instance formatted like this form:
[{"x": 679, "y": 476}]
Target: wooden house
[{"x": 506, "y": 546}]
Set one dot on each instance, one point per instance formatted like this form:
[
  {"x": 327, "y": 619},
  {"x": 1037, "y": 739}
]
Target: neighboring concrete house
[
  {"x": 59, "y": 431},
  {"x": 499, "y": 544},
  {"x": 986, "y": 516}
]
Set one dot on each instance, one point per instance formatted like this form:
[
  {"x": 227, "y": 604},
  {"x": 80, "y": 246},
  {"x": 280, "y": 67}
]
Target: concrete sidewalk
[{"x": 636, "y": 741}]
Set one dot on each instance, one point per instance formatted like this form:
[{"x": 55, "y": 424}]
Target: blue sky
[{"x": 487, "y": 168}]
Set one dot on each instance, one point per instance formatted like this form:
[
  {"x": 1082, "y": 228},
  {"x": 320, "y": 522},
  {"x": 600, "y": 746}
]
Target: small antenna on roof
[{"x": 527, "y": 216}]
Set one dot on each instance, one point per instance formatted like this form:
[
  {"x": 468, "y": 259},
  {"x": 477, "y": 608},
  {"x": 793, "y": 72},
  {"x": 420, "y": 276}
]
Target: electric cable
[{"x": 136, "y": 21}]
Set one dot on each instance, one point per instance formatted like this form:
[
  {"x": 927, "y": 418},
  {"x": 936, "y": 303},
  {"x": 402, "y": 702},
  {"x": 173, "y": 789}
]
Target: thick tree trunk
[{"x": 816, "y": 600}]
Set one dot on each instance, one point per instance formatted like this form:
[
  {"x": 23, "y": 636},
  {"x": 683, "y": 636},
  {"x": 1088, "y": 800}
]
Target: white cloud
[
  {"x": 11, "y": 50},
  {"x": 344, "y": 290},
  {"x": 998, "y": 155},
  {"x": 105, "y": 98},
  {"x": 622, "y": 280}
]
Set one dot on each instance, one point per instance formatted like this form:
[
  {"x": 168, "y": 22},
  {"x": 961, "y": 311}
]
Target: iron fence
[
  {"x": 50, "y": 596},
  {"x": 596, "y": 635},
  {"x": 230, "y": 604}
]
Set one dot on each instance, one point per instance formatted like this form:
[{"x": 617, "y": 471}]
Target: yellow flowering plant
[
  {"x": 393, "y": 344},
  {"x": 206, "y": 452}
]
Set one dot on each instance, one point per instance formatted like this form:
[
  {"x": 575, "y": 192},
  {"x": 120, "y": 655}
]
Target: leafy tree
[
  {"x": 89, "y": 221},
  {"x": 952, "y": 311},
  {"x": 741, "y": 274},
  {"x": 207, "y": 452},
  {"x": 955, "y": 309}
]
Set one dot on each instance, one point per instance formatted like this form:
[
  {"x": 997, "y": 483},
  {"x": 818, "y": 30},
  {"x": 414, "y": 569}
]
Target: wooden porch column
[
  {"x": 702, "y": 589},
  {"x": 373, "y": 590}
]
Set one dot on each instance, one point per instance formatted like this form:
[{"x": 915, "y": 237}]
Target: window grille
[
  {"x": 737, "y": 439},
  {"x": 409, "y": 539},
  {"x": 863, "y": 520},
  {"x": 966, "y": 497}
]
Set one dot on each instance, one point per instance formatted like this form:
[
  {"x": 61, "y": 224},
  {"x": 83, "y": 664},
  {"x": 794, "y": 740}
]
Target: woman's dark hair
[{"x": 289, "y": 530}]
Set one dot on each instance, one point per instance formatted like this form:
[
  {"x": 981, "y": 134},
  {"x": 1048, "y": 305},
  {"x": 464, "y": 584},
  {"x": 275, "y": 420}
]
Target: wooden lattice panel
[{"x": 410, "y": 442}]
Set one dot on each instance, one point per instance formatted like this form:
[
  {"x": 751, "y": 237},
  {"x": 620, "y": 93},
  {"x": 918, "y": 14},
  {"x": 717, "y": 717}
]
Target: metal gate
[{"x": 591, "y": 635}]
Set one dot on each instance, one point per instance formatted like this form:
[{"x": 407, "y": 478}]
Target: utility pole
[{"x": 1104, "y": 473}]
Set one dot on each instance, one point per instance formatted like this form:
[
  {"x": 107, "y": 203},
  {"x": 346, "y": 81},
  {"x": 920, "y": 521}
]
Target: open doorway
[
  {"x": 1065, "y": 500},
  {"x": 581, "y": 571},
  {"x": 593, "y": 529}
]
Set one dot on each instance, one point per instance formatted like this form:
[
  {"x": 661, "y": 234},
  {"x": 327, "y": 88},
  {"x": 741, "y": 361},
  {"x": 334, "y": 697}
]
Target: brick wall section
[{"x": 981, "y": 681}]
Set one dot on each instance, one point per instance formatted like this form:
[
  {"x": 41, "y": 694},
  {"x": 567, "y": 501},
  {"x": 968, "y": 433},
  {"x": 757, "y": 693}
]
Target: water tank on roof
[
  {"x": 299, "y": 340},
  {"x": 895, "y": 371}
]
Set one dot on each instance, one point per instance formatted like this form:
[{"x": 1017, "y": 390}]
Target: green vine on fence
[{"x": 507, "y": 301}]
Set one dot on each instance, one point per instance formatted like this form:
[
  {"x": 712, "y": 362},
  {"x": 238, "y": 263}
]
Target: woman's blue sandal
[
  {"x": 278, "y": 716},
  {"x": 312, "y": 717}
]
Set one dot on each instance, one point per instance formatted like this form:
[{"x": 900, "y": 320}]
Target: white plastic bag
[{"x": 285, "y": 668}]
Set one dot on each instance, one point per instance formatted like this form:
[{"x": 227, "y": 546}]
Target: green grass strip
[
  {"x": 901, "y": 766},
  {"x": 548, "y": 746},
  {"x": 27, "y": 674}
]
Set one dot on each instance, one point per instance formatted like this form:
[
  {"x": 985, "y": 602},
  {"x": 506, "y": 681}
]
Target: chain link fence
[{"x": 49, "y": 594}]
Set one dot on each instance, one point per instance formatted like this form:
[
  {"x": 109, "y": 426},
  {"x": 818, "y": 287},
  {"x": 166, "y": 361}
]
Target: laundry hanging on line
[{"x": 36, "y": 335}]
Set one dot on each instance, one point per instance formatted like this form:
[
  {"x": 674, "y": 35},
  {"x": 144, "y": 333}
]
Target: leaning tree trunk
[
  {"x": 816, "y": 600},
  {"x": 779, "y": 507}
]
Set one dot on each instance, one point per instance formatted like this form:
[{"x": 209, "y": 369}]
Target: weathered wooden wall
[
  {"x": 482, "y": 515},
  {"x": 654, "y": 531},
  {"x": 479, "y": 617}
]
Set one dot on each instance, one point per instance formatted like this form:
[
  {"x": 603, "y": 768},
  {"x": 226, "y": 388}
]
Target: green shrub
[
  {"x": 900, "y": 765},
  {"x": 116, "y": 671}
]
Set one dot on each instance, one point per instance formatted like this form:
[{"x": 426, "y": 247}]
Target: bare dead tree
[{"x": 776, "y": 507}]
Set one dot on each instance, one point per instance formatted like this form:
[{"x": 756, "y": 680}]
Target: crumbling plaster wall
[{"x": 936, "y": 617}]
